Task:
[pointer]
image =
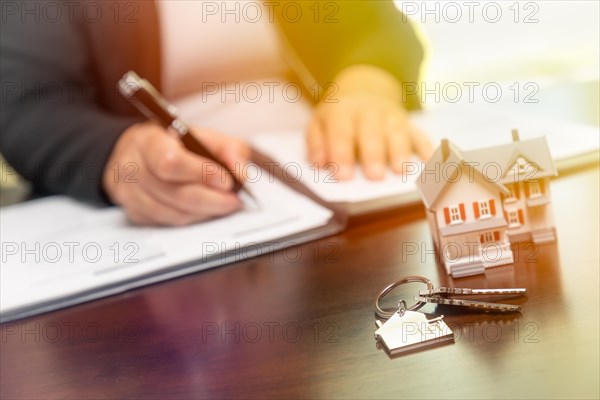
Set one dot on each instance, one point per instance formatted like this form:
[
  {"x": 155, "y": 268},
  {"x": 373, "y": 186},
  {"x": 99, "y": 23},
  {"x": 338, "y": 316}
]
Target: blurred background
[
  {"x": 552, "y": 44},
  {"x": 545, "y": 51}
]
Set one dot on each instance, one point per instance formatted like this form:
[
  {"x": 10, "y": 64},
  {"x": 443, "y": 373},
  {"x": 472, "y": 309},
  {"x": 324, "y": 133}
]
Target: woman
[{"x": 62, "y": 116}]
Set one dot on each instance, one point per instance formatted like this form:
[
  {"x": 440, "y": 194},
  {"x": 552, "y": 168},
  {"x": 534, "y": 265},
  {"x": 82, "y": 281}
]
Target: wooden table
[{"x": 300, "y": 324}]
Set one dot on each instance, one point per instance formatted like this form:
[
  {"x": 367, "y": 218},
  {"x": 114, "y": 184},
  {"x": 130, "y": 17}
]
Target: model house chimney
[
  {"x": 515, "y": 135},
  {"x": 445, "y": 149}
]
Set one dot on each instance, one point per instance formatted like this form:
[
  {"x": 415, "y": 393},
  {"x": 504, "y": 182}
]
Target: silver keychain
[{"x": 406, "y": 329}]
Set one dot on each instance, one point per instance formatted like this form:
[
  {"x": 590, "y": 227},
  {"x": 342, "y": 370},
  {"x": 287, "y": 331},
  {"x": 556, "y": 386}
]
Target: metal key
[
  {"x": 440, "y": 296},
  {"x": 471, "y": 292},
  {"x": 469, "y": 303}
]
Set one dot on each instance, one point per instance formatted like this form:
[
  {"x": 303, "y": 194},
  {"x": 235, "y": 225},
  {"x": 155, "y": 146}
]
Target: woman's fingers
[
  {"x": 371, "y": 144},
  {"x": 200, "y": 201},
  {"x": 170, "y": 185},
  {"x": 421, "y": 143},
  {"x": 315, "y": 143},
  {"x": 340, "y": 140},
  {"x": 399, "y": 144}
]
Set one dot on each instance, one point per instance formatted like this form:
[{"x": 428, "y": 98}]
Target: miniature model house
[{"x": 480, "y": 201}]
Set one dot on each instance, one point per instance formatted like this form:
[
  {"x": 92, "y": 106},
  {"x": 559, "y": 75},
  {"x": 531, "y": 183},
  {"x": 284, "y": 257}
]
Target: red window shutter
[
  {"x": 493, "y": 207},
  {"x": 521, "y": 219},
  {"x": 481, "y": 238},
  {"x": 526, "y": 187},
  {"x": 517, "y": 190},
  {"x": 447, "y": 215},
  {"x": 462, "y": 211},
  {"x": 542, "y": 186},
  {"x": 496, "y": 236},
  {"x": 506, "y": 216},
  {"x": 476, "y": 209}
]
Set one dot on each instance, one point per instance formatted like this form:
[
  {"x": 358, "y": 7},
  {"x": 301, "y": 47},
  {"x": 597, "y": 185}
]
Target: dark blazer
[{"x": 61, "y": 113}]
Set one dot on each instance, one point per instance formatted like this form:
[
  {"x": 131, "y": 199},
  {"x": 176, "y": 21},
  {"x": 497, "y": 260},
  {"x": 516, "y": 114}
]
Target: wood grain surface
[{"x": 299, "y": 324}]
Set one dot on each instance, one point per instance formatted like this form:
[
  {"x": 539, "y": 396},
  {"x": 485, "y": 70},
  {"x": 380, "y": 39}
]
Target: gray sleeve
[{"x": 55, "y": 132}]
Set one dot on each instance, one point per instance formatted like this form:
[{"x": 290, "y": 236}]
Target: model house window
[
  {"x": 487, "y": 237},
  {"x": 513, "y": 218},
  {"x": 491, "y": 236},
  {"x": 455, "y": 214},
  {"x": 534, "y": 189},
  {"x": 484, "y": 209}
]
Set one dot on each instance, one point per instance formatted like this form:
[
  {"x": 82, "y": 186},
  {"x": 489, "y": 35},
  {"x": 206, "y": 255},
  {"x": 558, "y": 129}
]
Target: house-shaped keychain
[{"x": 480, "y": 201}]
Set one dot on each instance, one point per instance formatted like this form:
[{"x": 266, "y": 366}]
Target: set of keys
[{"x": 406, "y": 329}]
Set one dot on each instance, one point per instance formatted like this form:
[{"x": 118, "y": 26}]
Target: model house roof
[
  {"x": 534, "y": 151},
  {"x": 494, "y": 166},
  {"x": 442, "y": 169}
]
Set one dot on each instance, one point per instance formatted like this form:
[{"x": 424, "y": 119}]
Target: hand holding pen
[{"x": 158, "y": 181}]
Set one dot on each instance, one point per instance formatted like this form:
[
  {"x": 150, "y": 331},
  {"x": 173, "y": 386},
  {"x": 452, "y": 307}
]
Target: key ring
[{"x": 381, "y": 313}]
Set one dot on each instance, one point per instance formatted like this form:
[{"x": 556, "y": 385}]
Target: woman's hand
[
  {"x": 364, "y": 121},
  {"x": 158, "y": 182}
]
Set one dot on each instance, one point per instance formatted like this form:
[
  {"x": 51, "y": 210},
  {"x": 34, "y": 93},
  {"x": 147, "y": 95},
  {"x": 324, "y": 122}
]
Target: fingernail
[
  {"x": 345, "y": 172},
  {"x": 317, "y": 158},
  {"x": 375, "y": 171},
  {"x": 398, "y": 165}
]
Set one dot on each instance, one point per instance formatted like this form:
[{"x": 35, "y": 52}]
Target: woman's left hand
[{"x": 363, "y": 121}]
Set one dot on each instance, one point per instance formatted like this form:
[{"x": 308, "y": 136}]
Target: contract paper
[{"x": 56, "y": 247}]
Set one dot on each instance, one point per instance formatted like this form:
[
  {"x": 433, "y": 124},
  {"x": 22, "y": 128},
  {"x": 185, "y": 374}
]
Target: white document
[
  {"x": 288, "y": 149},
  {"x": 468, "y": 127},
  {"x": 57, "y": 247}
]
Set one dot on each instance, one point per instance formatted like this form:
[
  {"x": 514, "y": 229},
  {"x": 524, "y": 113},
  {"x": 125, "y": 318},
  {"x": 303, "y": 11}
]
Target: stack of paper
[{"x": 66, "y": 252}]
